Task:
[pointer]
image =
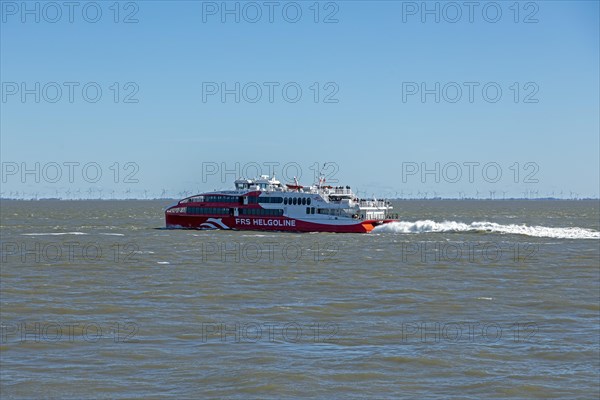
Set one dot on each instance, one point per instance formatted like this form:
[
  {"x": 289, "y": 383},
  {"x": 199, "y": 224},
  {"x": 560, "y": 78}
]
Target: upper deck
[{"x": 270, "y": 195}]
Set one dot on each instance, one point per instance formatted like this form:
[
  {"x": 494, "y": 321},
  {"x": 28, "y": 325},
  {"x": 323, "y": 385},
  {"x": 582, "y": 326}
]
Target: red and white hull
[{"x": 269, "y": 224}]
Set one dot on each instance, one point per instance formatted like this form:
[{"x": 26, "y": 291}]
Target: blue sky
[{"x": 365, "y": 119}]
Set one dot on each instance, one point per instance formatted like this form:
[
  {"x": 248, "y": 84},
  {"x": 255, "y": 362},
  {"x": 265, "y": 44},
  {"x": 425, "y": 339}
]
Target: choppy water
[{"x": 463, "y": 299}]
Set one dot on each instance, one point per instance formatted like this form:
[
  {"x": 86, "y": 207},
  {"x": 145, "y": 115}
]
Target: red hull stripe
[{"x": 265, "y": 224}]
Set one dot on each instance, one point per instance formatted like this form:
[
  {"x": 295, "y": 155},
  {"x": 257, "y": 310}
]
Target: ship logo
[{"x": 209, "y": 224}]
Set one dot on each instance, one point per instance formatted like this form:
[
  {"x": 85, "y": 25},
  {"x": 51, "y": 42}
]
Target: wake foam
[
  {"x": 484, "y": 226},
  {"x": 53, "y": 234}
]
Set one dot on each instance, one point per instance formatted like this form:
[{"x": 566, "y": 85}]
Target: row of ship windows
[
  {"x": 220, "y": 199},
  {"x": 250, "y": 211},
  {"x": 207, "y": 210},
  {"x": 261, "y": 211},
  {"x": 227, "y": 211},
  {"x": 302, "y": 201},
  {"x": 254, "y": 200}
]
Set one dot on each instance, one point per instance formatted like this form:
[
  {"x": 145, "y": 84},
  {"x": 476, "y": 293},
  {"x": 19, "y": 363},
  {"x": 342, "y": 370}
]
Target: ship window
[
  {"x": 303, "y": 201},
  {"x": 218, "y": 199},
  {"x": 308, "y": 210},
  {"x": 295, "y": 201},
  {"x": 285, "y": 200},
  {"x": 308, "y": 201},
  {"x": 270, "y": 199}
]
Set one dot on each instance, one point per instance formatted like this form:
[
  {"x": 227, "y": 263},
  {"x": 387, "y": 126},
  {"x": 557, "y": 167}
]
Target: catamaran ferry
[{"x": 265, "y": 204}]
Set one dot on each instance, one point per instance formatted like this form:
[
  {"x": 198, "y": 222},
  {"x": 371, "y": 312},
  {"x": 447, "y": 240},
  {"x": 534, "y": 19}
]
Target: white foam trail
[
  {"x": 484, "y": 226},
  {"x": 53, "y": 234}
]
